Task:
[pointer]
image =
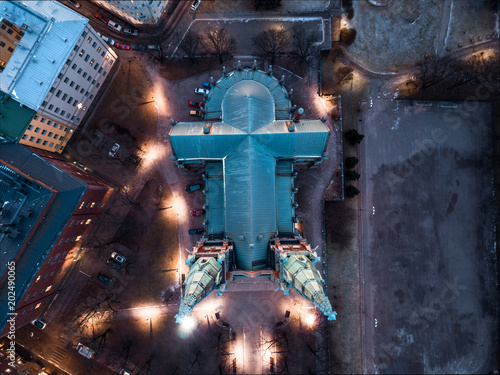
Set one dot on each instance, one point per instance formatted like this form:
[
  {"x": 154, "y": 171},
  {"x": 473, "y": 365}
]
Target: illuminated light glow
[
  {"x": 186, "y": 326},
  {"x": 310, "y": 319},
  {"x": 79, "y": 106},
  {"x": 188, "y": 323}
]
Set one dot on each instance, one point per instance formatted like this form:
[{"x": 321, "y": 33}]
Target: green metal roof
[
  {"x": 281, "y": 101},
  {"x": 250, "y": 206},
  {"x": 284, "y": 197},
  {"x": 248, "y": 105},
  {"x": 307, "y": 141},
  {"x": 14, "y": 118},
  {"x": 190, "y": 142},
  {"x": 254, "y": 196},
  {"x": 215, "y": 198}
]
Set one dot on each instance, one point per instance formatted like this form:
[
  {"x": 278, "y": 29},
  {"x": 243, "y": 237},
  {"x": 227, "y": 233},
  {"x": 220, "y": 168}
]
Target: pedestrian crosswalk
[{"x": 59, "y": 352}]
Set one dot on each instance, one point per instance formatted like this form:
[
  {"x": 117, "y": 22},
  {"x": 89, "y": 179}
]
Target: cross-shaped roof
[{"x": 252, "y": 198}]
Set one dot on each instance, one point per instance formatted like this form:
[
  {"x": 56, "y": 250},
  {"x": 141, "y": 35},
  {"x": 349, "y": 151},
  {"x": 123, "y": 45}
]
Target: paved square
[{"x": 428, "y": 233}]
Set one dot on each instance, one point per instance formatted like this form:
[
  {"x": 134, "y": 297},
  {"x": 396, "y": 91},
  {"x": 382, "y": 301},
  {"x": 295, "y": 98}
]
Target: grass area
[
  {"x": 394, "y": 37},
  {"x": 471, "y": 19}
]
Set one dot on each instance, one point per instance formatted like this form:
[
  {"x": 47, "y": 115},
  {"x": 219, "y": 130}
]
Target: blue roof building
[{"x": 249, "y": 144}]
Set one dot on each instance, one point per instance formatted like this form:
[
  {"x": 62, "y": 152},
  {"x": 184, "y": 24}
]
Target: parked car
[
  {"x": 114, "y": 25},
  {"x": 101, "y": 18},
  {"x": 194, "y": 103},
  {"x": 122, "y": 45},
  {"x": 196, "y": 4},
  {"x": 191, "y": 188},
  {"x": 139, "y": 47},
  {"x": 109, "y": 40},
  {"x": 131, "y": 31},
  {"x": 125, "y": 371},
  {"x": 75, "y": 3},
  {"x": 201, "y": 91},
  {"x": 114, "y": 149},
  {"x": 118, "y": 257},
  {"x": 196, "y": 231},
  {"x": 207, "y": 85},
  {"x": 105, "y": 279},
  {"x": 197, "y": 212},
  {"x": 113, "y": 263},
  {"x": 85, "y": 351},
  {"x": 154, "y": 46},
  {"x": 195, "y": 113},
  {"x": 39, "y": 323}
]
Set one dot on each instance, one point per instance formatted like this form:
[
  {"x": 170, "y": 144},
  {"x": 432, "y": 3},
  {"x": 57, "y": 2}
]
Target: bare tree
[
  {"x": 269, "y": 43},
  {"x": 190, "y": 43},
  {"x": 343, "y": 74},
  {"x": 432, "y": 71},
  {"x": 336, "y": 52},
  {"x": 97, "y": 305},
  {"x": 303, "y": 43},
  {"x": 220, "y": 41}
]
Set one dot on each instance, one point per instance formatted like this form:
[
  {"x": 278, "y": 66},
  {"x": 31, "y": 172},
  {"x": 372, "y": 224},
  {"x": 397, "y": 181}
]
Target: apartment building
[
  {"x": 57, "y": 68},
  {"x": 48, "y": 207},
  {"x": 136, "y": 11}
]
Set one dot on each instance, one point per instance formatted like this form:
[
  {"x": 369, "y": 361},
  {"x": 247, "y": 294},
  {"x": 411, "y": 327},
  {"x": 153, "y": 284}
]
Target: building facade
[
  {"x": 136, "y": 11},
  {"x": 48, "y": 207},
  {"x": 57, "y": 68}
]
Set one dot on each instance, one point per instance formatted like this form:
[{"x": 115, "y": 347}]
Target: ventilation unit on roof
[
  {"x": 63, "y": 38},
  {"x": 207, "y": 127},
  {"x": 38, "y": 81},
  {"x": 51, "y": 60}
]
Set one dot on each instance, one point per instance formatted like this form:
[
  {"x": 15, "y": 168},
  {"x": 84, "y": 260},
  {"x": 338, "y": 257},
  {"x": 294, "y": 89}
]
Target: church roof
[{"x": 250, "y": 150}]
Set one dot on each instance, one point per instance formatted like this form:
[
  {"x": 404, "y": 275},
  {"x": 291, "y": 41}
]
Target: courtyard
[{"x": 428, "y": 236}]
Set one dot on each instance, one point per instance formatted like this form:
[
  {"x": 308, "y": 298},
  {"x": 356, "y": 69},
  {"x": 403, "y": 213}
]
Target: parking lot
[{"x": 428, "y": 238}]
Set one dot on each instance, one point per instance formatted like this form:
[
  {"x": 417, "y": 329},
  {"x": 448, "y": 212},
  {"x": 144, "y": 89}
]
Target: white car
[
  {"x": 75, "y": 3},
  {"x": 196, "y": 4},
  {"x": 118, "y": 257},
  {"x": 114, "y": 149},
  {"x": 109, "y": 40},
  {"x": 131, "y": 31},
  {"x": 85, "y": 351},
  {"x": 114, "y": 25},
  {"x": 201, "y": 91},
  {"x": 39, "y": 323}
]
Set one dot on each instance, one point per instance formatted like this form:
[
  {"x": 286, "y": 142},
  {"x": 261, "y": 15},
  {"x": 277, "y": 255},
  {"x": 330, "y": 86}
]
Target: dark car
[
  {"x": 101, "y": 18},
  {"x": 207, "y": 85},
  {"x": 113, "y": 263},
  {"x": 194, "y": 103},
  {"x": 131, "y": 31},
  {"x": 196, "y": 231},
  {"x": 139, "y": 47},
  {"x": 197, "y": 212},
  {"x": 105, "y": 279},
  {"x": 191, "y": 188}
]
